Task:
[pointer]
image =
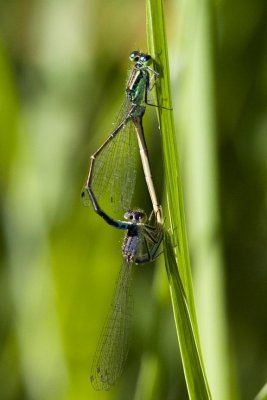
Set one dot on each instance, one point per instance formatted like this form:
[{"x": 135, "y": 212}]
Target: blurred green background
[{"x": 63, "y": 68}]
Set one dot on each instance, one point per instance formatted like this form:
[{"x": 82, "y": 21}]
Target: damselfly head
[
  {"x": 141, "y": 58},
  {"x": 135, "y": 216}
]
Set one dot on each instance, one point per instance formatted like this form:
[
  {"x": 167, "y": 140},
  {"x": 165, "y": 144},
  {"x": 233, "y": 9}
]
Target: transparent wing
[
  {"x": 113, "y": 345},
  {"x": 150, "y": 239},
  {"x": 114, "y": 167}
]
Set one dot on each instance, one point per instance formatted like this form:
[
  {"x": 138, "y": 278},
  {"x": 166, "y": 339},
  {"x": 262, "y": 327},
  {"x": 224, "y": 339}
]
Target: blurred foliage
[{"x": 63, "y": 68}]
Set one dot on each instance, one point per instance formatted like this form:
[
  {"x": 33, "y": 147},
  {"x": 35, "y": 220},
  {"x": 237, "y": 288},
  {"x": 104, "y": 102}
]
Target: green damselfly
[
  {"x": 141, "y": 244},
  {"x": 112, "y": 167}
]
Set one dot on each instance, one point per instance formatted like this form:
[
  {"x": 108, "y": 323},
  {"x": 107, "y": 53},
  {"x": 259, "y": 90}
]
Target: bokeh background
[{"x": 63, "y": 68}]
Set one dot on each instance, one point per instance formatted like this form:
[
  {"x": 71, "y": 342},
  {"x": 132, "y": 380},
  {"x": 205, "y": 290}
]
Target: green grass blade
[
  {"x": 193, "y": 367},
  {"x": 180, "y": 281},
  {"x": 158, "y": 49}
]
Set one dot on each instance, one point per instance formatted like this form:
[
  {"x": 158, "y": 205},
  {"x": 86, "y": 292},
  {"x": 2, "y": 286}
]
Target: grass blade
[{"x": 180, "y": 281}]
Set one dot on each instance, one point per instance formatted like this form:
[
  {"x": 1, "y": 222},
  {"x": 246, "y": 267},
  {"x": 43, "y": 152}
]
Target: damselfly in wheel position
[
  {"x": 140, "y": 246},
  {"x": 112, "y": 167}
]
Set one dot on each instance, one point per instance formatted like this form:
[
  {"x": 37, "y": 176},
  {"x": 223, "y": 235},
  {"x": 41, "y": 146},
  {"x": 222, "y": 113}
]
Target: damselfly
[
  {"x": 112, "y": 167},
  {"x": 140, "y": 246}
]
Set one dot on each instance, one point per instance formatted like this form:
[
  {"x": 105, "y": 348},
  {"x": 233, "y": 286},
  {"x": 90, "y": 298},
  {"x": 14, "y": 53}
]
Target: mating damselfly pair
[{"x": 112, "y": 171}]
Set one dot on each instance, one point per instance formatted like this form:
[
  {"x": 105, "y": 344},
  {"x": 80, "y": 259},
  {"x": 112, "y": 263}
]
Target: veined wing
[
  {"x": 113, "y": 345},
  {"x": 113, "y": 174},
  {"x": 115, "y": 170},
  {"x": 150, "y": 239}
]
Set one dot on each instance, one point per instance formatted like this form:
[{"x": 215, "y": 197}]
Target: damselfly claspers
[
  {"x": 140, "y": 246},
  {"x": 112, "y": 167}
]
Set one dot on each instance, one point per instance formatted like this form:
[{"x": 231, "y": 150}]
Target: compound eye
[
  {"x": 141, "y": 216},
  {"x": 128, "y": 215},
  {"x": 135, "y": 56},
  {"x": 145, "y": 58}
]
